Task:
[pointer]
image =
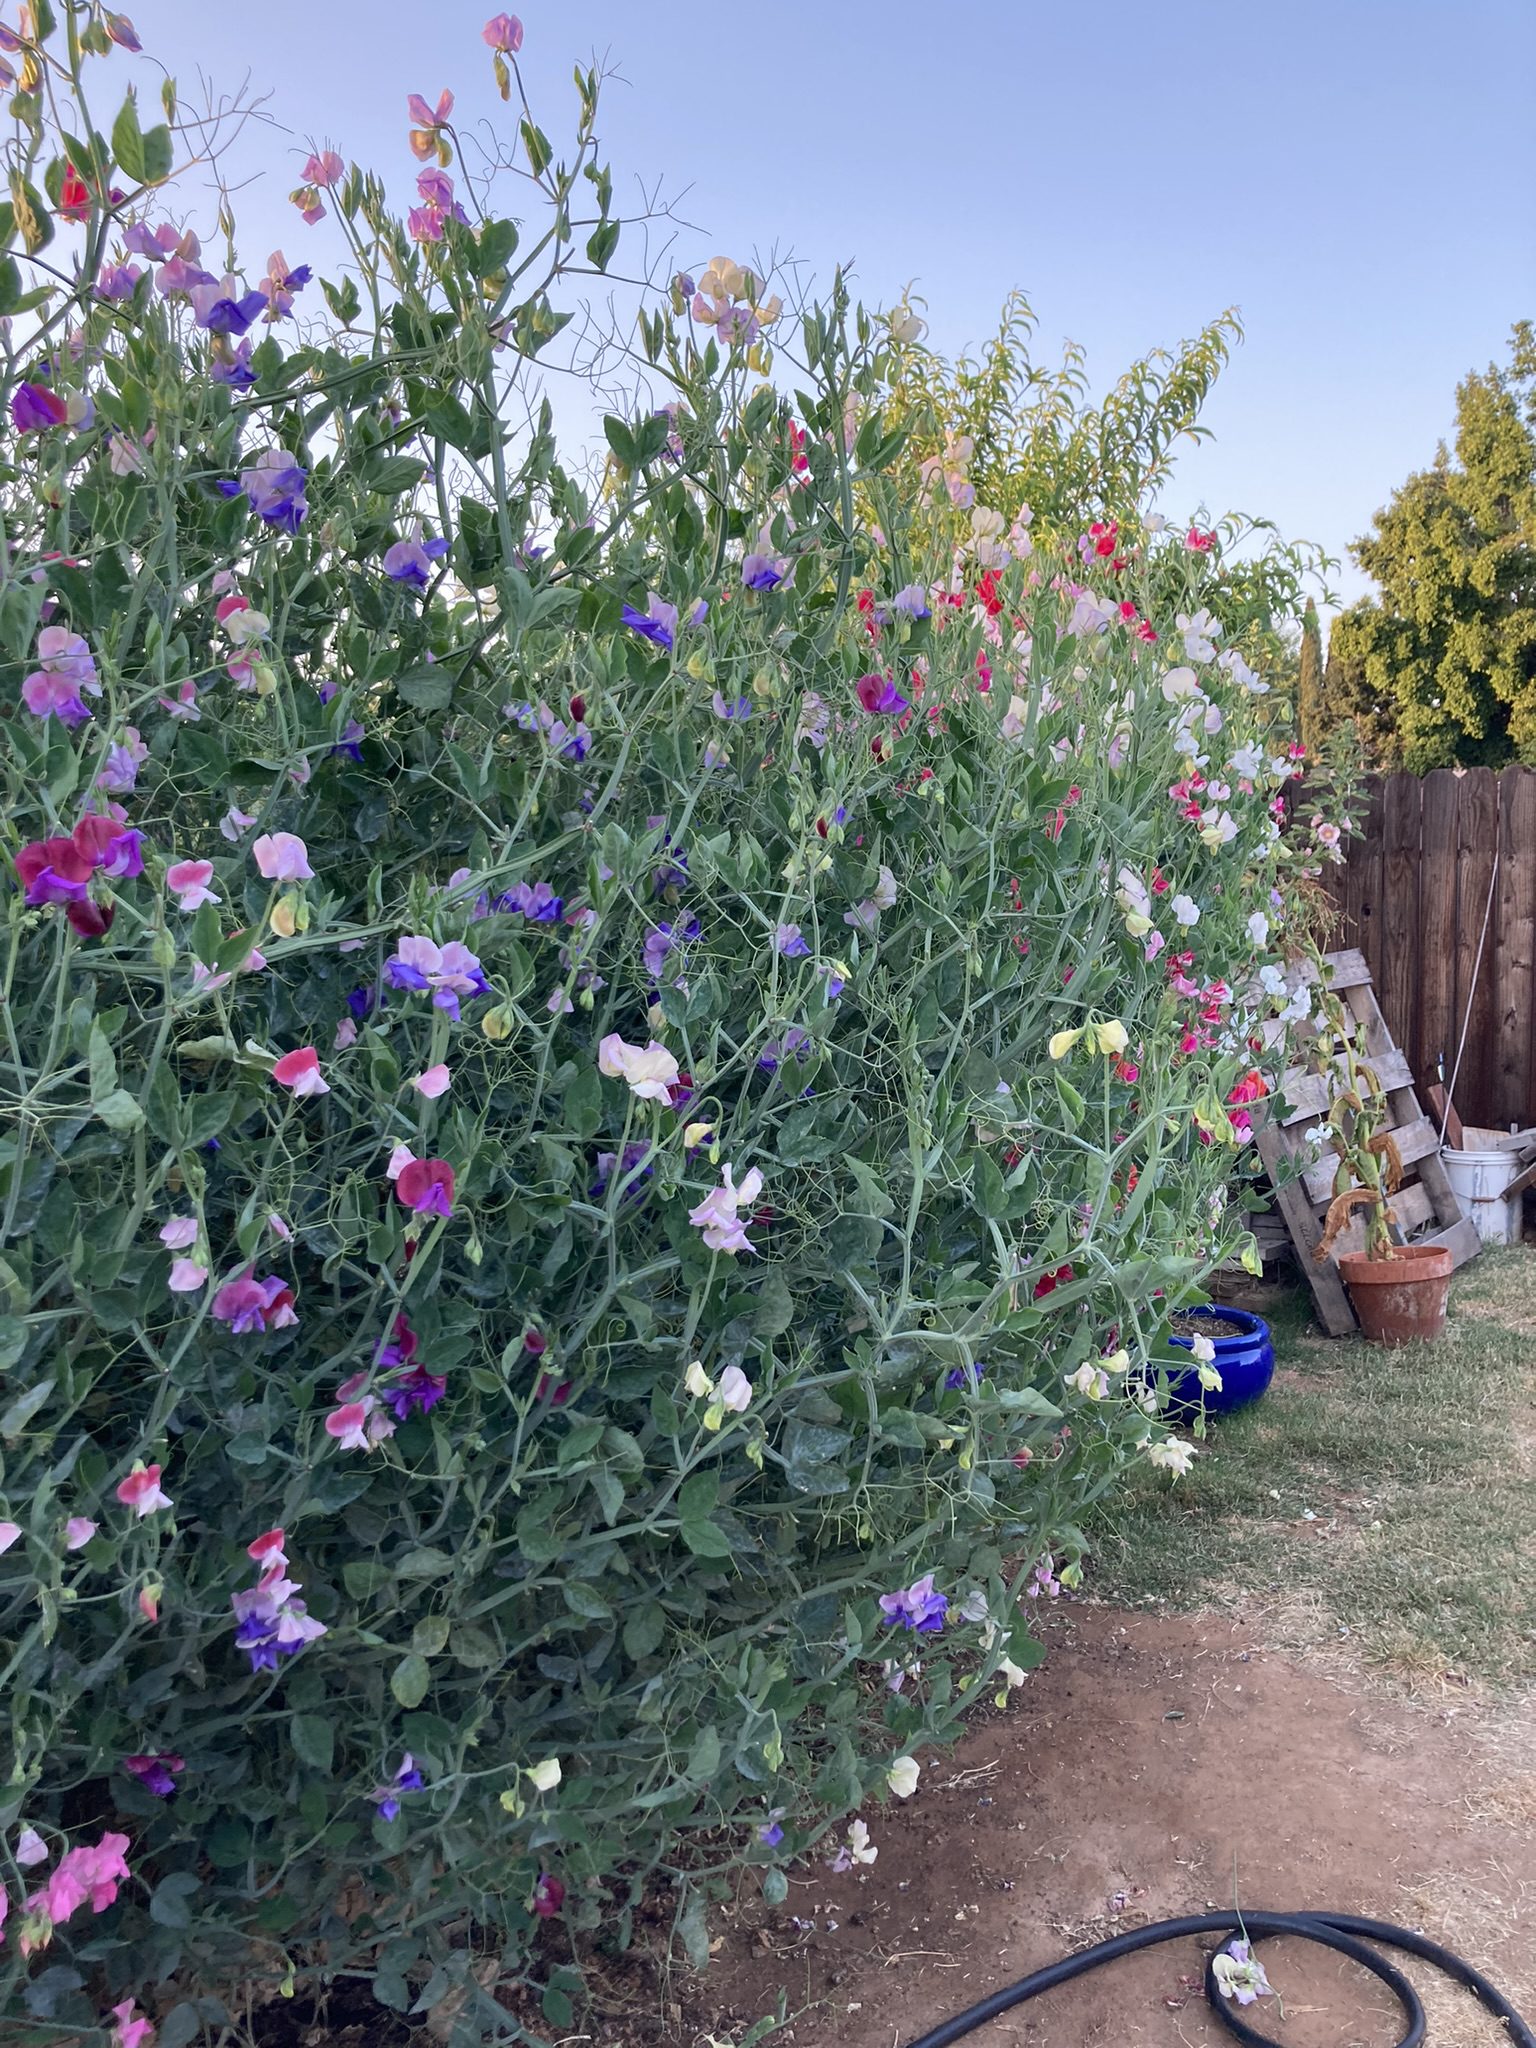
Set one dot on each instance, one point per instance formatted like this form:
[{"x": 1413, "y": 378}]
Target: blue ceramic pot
[{"x": 1245, "y": 1359}]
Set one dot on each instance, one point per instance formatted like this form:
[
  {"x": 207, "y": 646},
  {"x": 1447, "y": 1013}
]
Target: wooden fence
[{"x": 1445, "y": 864}]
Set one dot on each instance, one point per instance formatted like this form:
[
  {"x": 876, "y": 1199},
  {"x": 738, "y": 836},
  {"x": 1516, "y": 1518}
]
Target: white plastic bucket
[{"x": 1479, "y": 1179}]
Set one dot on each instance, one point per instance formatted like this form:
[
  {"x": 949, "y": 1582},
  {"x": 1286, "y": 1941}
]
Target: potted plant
[{"x": 1398, "y": 1290}]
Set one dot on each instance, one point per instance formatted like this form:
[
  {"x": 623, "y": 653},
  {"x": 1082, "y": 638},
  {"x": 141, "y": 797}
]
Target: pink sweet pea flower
[
  {"x": 180, "y": 1232},
  {"x": 359, "y": 1425},
  {"x": 78, "y": 1531},
  {"x": 434, "y": 1082},
  {"x": 716, "y": 1215},
  {"x": 399, "y": 1159},
  {"x": 300, "y": 1071},
  {"x": 234, "y": 822},
  {"x": 188, "y": 882},
  {"x": 149, "y": 1601},
  {"x": 326, "y": 169},
  {"x": 10, "y": 1532},
  {"x": 31, "y": 1849},
  {"x": 186, "y": 1276},
  {"x": 268, "y": 1548},
  {"x": 128, "y": 2032},
  {"x": 141, "y": 1490},
  {"x": 504, "y": 32},
  {"x": 425, "y": 137},
  {"x": 282, "y": 857}
]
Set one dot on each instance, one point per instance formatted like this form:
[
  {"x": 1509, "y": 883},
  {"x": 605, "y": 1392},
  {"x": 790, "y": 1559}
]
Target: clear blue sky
[{"x": 1356, "y": 175}]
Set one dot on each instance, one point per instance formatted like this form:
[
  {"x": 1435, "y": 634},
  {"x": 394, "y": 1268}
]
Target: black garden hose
[{"x": 1341, "y": 1931}]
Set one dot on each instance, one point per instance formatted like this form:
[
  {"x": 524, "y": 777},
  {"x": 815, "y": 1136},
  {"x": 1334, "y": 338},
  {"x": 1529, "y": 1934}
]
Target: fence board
[
  {"x": 1413, "y": 895},
  {"x": 1514, "y": 944},
  {"x": 1477, "y": 839}
]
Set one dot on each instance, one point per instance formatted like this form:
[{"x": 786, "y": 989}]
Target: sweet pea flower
[
  {"x": 30, "y": 1849},
  {"x": 1061, "y": 1043},
  {"x": 141, "y": 1490},
  {"x": 426, "y": 1186},
  {"x": 734, "y": 1390},
  {"x": 119, "y": 773},
  {"x": 857, "y": 1849},
  {"x": 248, "y": 1304},
  {"x": 435, "y": 1081},
  {"x": 1186, "y": 910},
  {"x": 272, "y": 1623},
  {"x": 10, "y": 1532},
  {"x": 34, "y": 408},
  {"x": 359, "y": 1425},
  {"x": 651, "y": 1071},
  {"x": 503, "y": 32},
  {"x": 186, "y": 1276},
  {"x": 1172, "y": 1455},
  {"x": 410, "y": 560},
  {"x": 280, "y": 856},
  {"x": 235, "y": 821},
  {"x": 426, "y": 137},
  {"x": 155, "y": 1773},
  {"x": 917, "y": 1607},
  {"x": 87, "y": 1874},
  {"x": 903, "y": 1775},
  {"x": 407, "y": 1779},
  {"x": 54, "y": 689},
  {"x": 188, "y": 882},
  {"x": 1239, "y": 1974},
  {"x": 274, "y": 482},
  {"x": 78, "y": 1531},
  {"x": 880, "y": 696},
  {"x": 448, "y": 971},
  {"x": 128, "y": 2032},
  {"x": 545, "y": 1776},
  {"x": 300, "y": 1072},
  {"x": 657, "y": 623},
  {"x": 717, "y": 1217}
]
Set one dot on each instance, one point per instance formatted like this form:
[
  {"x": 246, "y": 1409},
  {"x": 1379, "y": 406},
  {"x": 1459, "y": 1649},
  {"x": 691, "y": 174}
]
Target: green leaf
[
  {"x": 705, "y": 1540},
  {"x": 13, "y": 1342},
  {"x": 429, "y": 1635},
  {"x": 119, "y": 1111},
  {"x": 698, "y": 1495},
  {"x": 584, "y": 1103},
  {"x": 644, "y": 1630},
  {"x": 586, "y": 1601},
  {"x": 23, "y": 1408},
  {"x": 536, "y": 142},
  {"x": 314, "y": 1739},
  {"x": 775, "y": 1886},
  {"x": 102, "y": 1063},
  {"x": 496, "y": 247},
  {"x": 409, "y": 1680},
  {"x": 168, "y": 1905},
  {"x": 428, "y": 688},
  {"x": 609, "y": 1489},
  {"x": 396, "y": 473},
  {"x": 31, "y": 213},
  {"x": 621, "y": 441},
  {"x": 128, "y": 141}
]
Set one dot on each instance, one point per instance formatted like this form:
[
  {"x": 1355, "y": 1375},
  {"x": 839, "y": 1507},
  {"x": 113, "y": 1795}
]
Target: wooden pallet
[{"x": 1425, "y": 1206}]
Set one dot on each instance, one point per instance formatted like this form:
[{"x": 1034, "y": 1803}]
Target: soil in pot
[{"x": 1400, "y": 1299}]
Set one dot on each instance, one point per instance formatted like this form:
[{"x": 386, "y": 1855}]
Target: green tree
[
  {"x": 1445, "y": 660},
  {"x": 1310, "y": 710}
]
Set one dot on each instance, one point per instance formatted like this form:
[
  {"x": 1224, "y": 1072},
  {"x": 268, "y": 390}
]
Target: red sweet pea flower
[
  {"x": 74, "y": 196},
  {"x": 1049, "y": 1282}
]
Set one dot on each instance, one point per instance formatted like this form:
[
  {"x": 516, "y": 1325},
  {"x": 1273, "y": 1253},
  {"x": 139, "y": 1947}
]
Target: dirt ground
[{"x": 1158, "y": 1765}]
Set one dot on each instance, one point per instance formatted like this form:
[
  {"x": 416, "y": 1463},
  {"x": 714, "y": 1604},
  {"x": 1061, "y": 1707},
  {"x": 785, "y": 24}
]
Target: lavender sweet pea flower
[
  {"x": 916, "y": 1607},
  {"x": 410, "y": 560},
  {"x": 120, "y": 772},
  {"x": 788, "y": 940},
  {"x": 636, "y": 1155},
  {"x": 735, "y": 708},
  {"x": 795, "y": 1045},
  {"x": 665, "y": 939},
  {"x": 536, "y": 901},
  {"x": 274, "y": 484},
  {"x": 117, "y": 281},
  {"x": 762, "y": 572},
  {"x": 911, "y": 599},
  {"x": 67, "y": 670},
  {"x": 221, "y": 308},
  {"x": 407, "y": 1779}
]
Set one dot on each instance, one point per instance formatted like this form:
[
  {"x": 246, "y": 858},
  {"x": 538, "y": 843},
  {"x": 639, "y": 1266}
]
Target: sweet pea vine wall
[{"x": 605, "y": 1087}]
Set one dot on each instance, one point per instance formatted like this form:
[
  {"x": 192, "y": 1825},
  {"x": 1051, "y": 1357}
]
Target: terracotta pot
[{"x": 1400, "y": 1299}]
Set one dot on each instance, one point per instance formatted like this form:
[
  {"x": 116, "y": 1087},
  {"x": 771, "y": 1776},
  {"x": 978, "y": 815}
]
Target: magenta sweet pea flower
[
  {"x": 155, "y": 1773},
  {"x": 503, "y": 32},
  {"x": 426, "y": 1185},
  {"x": 55, "y": 688},
  {"x": 247, "y": 1304},
  {"x": 359, "y": 1425},
  {"x": 878, "y": 694}
]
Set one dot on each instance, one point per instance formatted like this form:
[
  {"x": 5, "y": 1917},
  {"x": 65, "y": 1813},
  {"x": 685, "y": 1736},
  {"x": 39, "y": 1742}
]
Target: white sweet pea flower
[
  {"x": 884, "y": 897},
  {"x": 1202, "y": 1350},
  {"x": 1186, "y": 911},
  {"x": 1179, "y": 684},
  {"x": 698, "y": 1381},
  {"x": 1258, "y": 928},
  {"x": 1172, "y": 1455},
  {"x": 1089, "y": 1379},
  {"x": 1200, "y": 635},
  {"x": 651, "y": 1071},
  {"x": 903, "y": 1775},
  {"x": 544, "y": 1777},
  {"x": 1011, "y": 1674},
  {"x": 1272, "y": 981},
  {"x": 735, "y": 1390}
]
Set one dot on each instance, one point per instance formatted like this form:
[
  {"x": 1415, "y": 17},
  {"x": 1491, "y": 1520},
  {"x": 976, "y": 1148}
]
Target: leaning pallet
[{"x": 1301, "y": 1162}]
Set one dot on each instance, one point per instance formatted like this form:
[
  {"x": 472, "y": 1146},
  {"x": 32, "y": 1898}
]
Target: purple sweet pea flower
[
  {"x": 274, "y": 484},
  {"x": 351, "y": 742},
  {"x": 54, "y": 689},
  {"x": 911, "y": 599},
  {"x": 34, "y": 407},
  {"x": 407, "y": 1779},
  {"x": 795, "y": 1045},
  {"x": 234, "y": 368},
  {"x": 122, "y": 858},
  {"x": 788, "y": 940},
  {"x": 657, "y": 623},
  {"x": 536, "y": 901},
  {"x": 666, "y": 939},
  {"x": 916, "y": 1607},
  {"x": 155, "y": 1773},
  {"x": 448, "y": 971},
  {"x": 636, "y": 1155},
  {"x": 964, "y": 1376},
  {"x": 735, "y": 708},
  {"x": 418, "y": 1388}
]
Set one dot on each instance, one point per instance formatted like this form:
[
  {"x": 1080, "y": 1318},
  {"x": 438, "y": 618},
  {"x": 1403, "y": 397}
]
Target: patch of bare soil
[{"x": 1157, "y": 1765}]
